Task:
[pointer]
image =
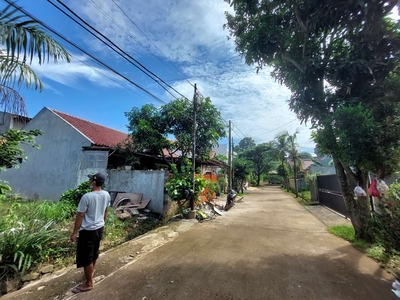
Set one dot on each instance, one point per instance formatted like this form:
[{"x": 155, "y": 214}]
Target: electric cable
[
  {"x": 125, "y": 55},
  {"x": 82, "y": 50}
]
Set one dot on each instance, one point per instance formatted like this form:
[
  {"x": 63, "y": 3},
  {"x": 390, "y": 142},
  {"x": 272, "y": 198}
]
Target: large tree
[
  {"x": 337, "y": 57},
  {"x": 262, "y": 158},
  {"x": 23, "y": 41},
  {"x": 151, "y": 128},
  {"x": 245, "y": 144}
]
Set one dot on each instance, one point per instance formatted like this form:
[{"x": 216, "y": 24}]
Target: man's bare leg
[{"x": 89, "y": 275}]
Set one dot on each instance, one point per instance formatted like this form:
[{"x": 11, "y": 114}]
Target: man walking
[{"x": 90, "y": 219}]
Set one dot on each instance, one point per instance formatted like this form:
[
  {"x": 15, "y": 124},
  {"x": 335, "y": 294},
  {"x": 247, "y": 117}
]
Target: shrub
[
  {"x": 73, "y": 196},
  {"x": 179, "y": 186},
  {"x": 387, "y": 219},
  {"x": 4, "y": 187},
  {"x": 211, "y": 188}
]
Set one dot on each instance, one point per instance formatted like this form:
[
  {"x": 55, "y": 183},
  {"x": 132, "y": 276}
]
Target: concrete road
[{"x": 267, "y": 247}]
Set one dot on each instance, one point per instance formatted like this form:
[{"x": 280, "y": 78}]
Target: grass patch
[
  {"x": 343, "y": 231},
  {"x": 374, "y": 250},
  {"x": 37, "y": 232},
  {"x": 304, "y": 196}
]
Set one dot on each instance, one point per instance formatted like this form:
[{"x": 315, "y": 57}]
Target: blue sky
[{"x": 183, "y": 40}]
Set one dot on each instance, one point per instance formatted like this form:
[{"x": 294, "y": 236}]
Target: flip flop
[{"x": 80, "y": 289}]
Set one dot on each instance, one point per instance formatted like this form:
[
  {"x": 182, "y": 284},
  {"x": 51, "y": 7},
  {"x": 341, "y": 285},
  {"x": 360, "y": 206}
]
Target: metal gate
[{"x": 330, "y": 195}]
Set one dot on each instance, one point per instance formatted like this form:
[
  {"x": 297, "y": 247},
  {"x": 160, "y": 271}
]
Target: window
[{"x": 94, "y": 159}]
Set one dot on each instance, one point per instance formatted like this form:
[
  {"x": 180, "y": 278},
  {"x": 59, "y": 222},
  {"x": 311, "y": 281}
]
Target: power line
[
  {"x": 126, "y": 32},
  {"x": 134, "y": 23},
  {"x": 82, "y": 50},
  {"x": 276, "y": 128},
  {"x": 120, "y": 52},
  {"x": 239, "y": 130},
  {"x": 109, "y": 77}
]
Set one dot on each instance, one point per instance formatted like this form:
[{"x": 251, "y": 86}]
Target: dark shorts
[{"x": 88, "y": 247}]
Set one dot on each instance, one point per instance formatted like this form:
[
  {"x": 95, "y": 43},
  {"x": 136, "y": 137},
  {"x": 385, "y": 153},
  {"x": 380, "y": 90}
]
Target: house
[
  {"x": 11, "y": 121},
  {"x": 70, "y": 149}
]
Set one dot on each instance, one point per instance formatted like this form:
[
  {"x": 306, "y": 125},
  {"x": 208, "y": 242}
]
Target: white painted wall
[
  {"x": 54, "y": 168},
  {"x": 149, "y": 183}
]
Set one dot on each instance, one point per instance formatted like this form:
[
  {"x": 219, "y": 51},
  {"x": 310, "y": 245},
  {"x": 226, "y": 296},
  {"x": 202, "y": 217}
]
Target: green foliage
[
  {"x": 343, "y": 231},
  {"x": 11, "y": 154},
  {"x": 73, "y": 196},
  {"x": 31, "y": 232},
  {"x": 150, "y": 128},
  {"x": 245, "y": 144},
  {"x": 339, "y": 59},
  {"x": 182, "y": 181},
  {"x": 241, "y": 170},
  {"x": 211, "y": 187},
  {"x": 4, "y": 187},
  {"x": 387, "y": 219},
  {"x": 262, "y": 157},
  {"x": 374, "y": 250},
  {"x": 283, "y": 170},
  {"x": 369, "y": 146},
  {"x": 221, "y": 158},
  {"x": 222, "y": 182},
  {"x": 23, "y": 39}
]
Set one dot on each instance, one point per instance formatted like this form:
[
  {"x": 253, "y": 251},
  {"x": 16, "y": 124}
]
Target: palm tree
[
  {"x": 23, "y": 40},
  {"x": 282, "y": 148},
  {"x": 287, "y": 146},
  {"x": 294, "y": 156}
]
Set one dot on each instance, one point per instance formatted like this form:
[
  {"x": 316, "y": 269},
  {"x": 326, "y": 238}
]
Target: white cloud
[
  {"x": 79, "y": 68},
  {"x": 190, "y": 34}
]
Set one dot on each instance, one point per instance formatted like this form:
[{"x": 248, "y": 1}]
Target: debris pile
[
  {"x": 207, "y": 211},
  {"x": 129, "y": 205}
]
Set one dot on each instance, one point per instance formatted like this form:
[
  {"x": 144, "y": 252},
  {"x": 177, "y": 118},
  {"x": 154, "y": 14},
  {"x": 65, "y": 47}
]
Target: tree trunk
[
  {"x": 295, "y": 177},
  {"x": 358, "y": 210}
]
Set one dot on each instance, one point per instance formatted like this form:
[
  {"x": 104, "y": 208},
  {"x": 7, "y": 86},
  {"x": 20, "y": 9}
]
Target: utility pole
[
  {"x": 230, "y": 157},
  {"x": 232, "y": 171},
  {"x": 194, "y": 145}
]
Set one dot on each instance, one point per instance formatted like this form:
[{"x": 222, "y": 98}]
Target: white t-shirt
[{"x": 93, "y": 204}]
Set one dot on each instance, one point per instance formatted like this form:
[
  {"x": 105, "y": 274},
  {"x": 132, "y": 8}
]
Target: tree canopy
[
  {"x": 153, "y": 129},
  {"x": 262, "y": 158},
  {"x": 338, "y": 58},
  {"x": 245, "y": 144}
]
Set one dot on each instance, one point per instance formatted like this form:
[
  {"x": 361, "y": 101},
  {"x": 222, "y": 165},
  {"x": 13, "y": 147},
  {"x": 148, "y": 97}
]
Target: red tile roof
[{"x": 98, "y": 134}]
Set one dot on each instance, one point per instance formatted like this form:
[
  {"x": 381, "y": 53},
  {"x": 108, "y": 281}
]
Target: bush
[
  {"x": 73, "y": 196},
  {"x": 4, "y": 187},
  {"x": 182, "y": 182},
  {"x": 387, "y": 219},
  {"x": 212, "y": 187}
]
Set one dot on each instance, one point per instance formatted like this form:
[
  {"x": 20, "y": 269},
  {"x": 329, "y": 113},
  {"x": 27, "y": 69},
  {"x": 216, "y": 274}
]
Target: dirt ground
[{"x": 266, "y": 247}]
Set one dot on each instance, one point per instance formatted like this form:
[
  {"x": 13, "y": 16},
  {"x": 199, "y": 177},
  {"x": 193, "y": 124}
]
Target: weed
[
  {"x": 343, "y": 231},
  {"x": 375, "y": 250}
]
